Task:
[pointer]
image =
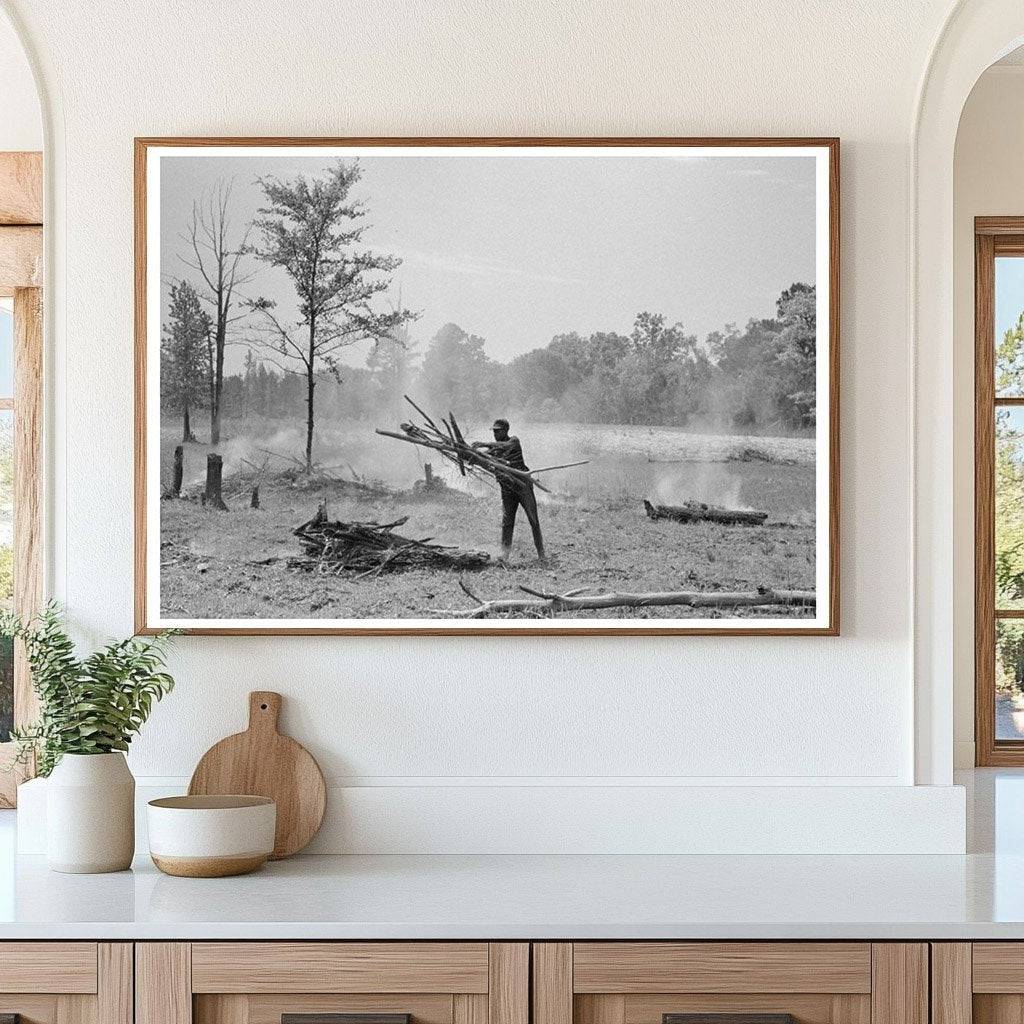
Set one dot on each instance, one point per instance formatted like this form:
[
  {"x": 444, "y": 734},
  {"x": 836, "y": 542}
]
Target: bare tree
[
  {"x": 216, "y": 258},
  {"x": 309, "y": 228}
]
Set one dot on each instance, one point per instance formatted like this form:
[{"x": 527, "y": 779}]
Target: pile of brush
[
  {"x": 335, "y": 546},
  {"x": 452, "y": 445}
]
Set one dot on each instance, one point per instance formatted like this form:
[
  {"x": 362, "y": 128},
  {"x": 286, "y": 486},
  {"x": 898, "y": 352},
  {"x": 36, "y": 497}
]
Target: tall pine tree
[{"x": 184, "y": 368}]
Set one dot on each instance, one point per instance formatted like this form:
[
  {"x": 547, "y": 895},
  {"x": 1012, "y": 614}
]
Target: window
[
  {"x": 21, "y": 365},
  {"x": 6, "y": 510},
  {"x": 999, "y": 490}
]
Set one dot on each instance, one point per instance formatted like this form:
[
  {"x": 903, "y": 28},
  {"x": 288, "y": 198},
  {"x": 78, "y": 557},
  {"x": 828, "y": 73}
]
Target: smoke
[{"x": 710, "y": 483}]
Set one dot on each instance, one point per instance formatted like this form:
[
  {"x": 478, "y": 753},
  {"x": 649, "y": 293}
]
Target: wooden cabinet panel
[
  {"x": 951, "y": 982},
  {"x": 508, "y": 982},
  {"x": 977, "y": 983},
  {"x": 340, "y": 967},
  {"x": 257, "y": 982},
  {"x": 163, "y": 983},
  {"x": 998, "y": 967},
  {"x": 899, "y": 983},
  {"x": 552, "y": 983},
  {"x": 814, "y": 982},
  {"x": 238, "y": 1008},
  {"x": 758, "y": 967},
  {"x": 810, "y": 1008},
  {"x": 66, "y": 982},
  {"x": 67, "y": 967}
]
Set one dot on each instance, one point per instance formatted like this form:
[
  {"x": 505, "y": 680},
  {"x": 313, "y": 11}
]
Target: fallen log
[
  {"x": 696, "y": 511},
  {"x": 370, "y": 548},
  {"x": 540, "y": 603}
]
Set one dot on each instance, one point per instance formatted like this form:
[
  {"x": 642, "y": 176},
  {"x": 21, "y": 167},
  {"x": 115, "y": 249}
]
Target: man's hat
[{"x": 500, "y": 425}]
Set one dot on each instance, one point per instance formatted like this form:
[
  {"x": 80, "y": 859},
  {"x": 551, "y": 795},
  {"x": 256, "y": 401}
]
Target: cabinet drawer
[
  {"x": 263, "y": 982},
  {"x": 735, "y": 982},
  {"x": 629, "y": 967},
  {"x": 340, "y": 967},
  {"x": 48, "y": 967}
]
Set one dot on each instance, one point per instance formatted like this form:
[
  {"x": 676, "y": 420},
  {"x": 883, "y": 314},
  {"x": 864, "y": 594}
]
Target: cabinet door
[
  {"x": 981, "y": 982},
  {"x": 332, "y": 983},
  {"x": 737, "y": 982},
  {"x": 66, "y": 982}
]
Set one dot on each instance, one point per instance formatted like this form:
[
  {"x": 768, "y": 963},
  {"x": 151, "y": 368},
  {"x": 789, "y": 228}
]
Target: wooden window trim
[
  {"x": 993, "y": 237},
  {"x": 21, "y": 267}
]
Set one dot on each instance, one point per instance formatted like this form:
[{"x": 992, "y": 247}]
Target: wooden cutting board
[{"x": 262, "y": 762}]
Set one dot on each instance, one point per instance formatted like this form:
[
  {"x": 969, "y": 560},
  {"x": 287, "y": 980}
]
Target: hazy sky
[{"x": 518, "y": 249}]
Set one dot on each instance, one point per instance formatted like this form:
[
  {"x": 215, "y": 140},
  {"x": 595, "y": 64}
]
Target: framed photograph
[{"x": 487, "y": 386}]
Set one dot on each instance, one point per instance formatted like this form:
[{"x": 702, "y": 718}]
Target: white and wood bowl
[{"x": 211, "y": 836}]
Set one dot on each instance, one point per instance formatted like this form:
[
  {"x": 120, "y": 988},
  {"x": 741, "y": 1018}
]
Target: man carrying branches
[{"x": 515, "y": 491}]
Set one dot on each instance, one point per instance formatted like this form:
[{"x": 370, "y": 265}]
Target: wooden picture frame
[{"x": 148, "y": 152}]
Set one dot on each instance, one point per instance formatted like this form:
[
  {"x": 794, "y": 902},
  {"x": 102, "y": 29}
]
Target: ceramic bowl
[{"x": 211, "y": 836}]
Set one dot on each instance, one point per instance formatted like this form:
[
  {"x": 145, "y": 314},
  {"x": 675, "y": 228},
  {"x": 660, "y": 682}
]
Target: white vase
[{"x": 90, "y": 814}]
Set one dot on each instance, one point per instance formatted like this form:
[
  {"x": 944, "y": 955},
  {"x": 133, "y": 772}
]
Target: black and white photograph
[{"x": 470, "y": 385}]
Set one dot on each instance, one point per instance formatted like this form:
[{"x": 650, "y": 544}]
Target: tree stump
[
  {"x": 174, "y": 491},
  {"x": 214, "y": 470}
]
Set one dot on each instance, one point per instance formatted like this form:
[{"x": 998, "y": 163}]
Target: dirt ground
[{"x": 234, "y": 564}]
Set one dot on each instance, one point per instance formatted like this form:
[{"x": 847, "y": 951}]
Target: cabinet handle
[
  {"x": 337, "y": 1018},
  {"x": 728, "y": 1018}
]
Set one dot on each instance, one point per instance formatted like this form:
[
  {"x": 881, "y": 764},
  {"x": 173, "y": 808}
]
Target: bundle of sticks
[
  {"x": 336, "y": 546},
  {"x": 453, "y": 446}
]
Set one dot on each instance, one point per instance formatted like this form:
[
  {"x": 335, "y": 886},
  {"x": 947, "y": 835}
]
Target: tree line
[
  {"x": 760, "y": 377},
  {"x": 309, "y": 231}
]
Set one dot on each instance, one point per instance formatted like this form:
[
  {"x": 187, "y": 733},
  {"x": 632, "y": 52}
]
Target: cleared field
[{"x": 234, "y": 564}]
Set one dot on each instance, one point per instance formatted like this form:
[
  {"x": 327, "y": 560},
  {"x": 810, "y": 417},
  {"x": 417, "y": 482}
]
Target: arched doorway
[{"x": 976, "y": 33}]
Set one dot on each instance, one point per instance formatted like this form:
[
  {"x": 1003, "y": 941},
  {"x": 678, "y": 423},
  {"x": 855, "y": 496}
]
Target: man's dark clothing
[
  {"x": 512, "y": 496},
  {"x": 510, "y": 452},
  {"x": 515, "y": 493}
]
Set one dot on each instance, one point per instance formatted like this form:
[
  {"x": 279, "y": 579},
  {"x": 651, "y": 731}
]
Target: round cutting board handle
[{"x": 264, "y": 710}]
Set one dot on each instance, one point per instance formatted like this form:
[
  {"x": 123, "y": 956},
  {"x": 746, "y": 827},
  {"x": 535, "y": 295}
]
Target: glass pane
[
  {"x": 6, "y": 349},
  {"x": 1009, "y": 326},
  {"x": 1009, "y": 679},
  {"x": 1009, "y": 483},
  {"x": 6, "y": 567}
]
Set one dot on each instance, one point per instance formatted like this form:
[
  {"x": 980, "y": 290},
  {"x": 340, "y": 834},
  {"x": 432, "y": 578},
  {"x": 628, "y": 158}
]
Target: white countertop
[
  {"x": 978, "y": 896},
  {"x": 532, "y": 897}
]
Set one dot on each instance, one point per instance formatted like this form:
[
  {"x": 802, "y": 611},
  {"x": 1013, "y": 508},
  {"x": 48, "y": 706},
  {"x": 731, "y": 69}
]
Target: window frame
[
  {"x": 993, "y": 237},
  {"x": 21, "y": 269}
]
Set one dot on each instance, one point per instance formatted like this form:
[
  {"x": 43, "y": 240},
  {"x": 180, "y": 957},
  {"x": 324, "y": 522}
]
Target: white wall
[
  {"x": 439, "y": 714},
  {"x": 988, "y": 180}
]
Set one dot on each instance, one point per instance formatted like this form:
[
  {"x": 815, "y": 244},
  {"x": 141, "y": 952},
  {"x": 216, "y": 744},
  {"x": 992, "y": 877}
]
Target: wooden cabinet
[
  {"x": 66, "y": 982},
  {"x": 648, "y": 982},
  {"x": 494, "y": 983},
  {"x": 261, "y": 982},
  {"x": 979, "y": 982}
]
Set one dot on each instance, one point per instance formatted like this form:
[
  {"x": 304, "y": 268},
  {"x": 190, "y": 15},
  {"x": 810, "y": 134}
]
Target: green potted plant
[{"x": 89, "y": 710}]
